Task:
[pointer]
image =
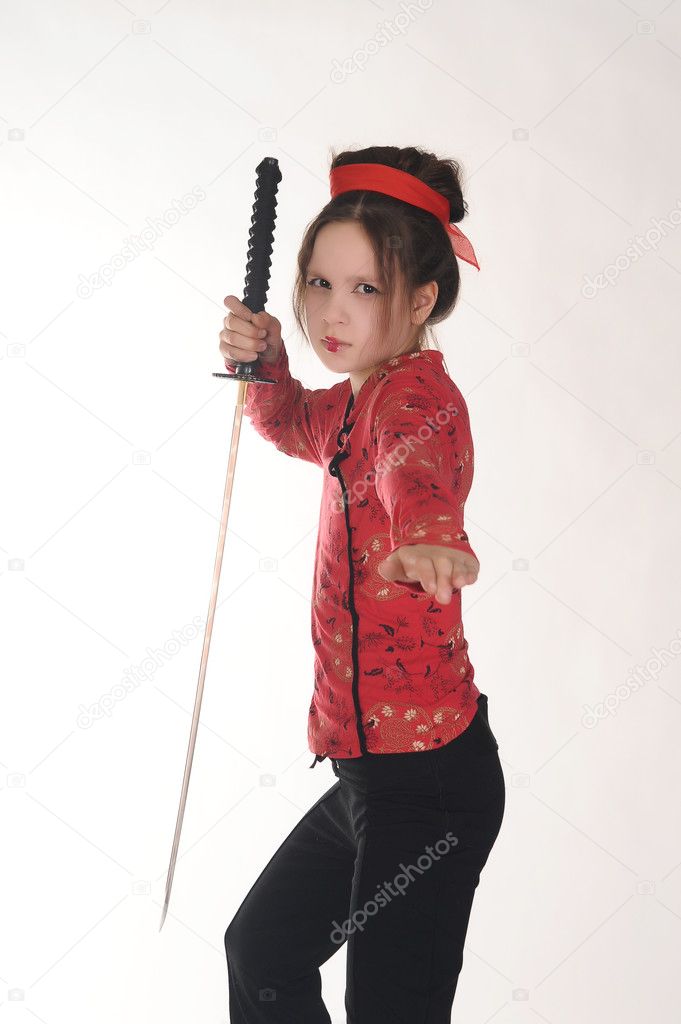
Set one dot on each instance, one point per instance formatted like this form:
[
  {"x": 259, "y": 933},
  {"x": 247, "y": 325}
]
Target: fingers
[
  {"x": 453, "y": 576},
  {"x": 237, "y": 307},
  {"x": 463, "y": 577},
  {"x": 240, "y": 314},
  {"x": 442, "y": 574},
  {"x": 241, "y": 340},
  {"x": 434, "y": 574},
  {"x": 438, "y": 576},
  {"x": 240, "y": 349}
]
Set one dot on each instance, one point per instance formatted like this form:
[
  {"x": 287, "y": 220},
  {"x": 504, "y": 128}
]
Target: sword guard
[{"x": 245, "y": 373}]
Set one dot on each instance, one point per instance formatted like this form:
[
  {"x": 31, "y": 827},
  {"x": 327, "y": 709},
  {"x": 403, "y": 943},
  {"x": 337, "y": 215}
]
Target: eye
[{"x": 361, "y": 285}]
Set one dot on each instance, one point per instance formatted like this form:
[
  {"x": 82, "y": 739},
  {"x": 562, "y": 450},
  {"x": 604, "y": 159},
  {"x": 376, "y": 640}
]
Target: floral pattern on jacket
[{"x": 391, "y": 666}]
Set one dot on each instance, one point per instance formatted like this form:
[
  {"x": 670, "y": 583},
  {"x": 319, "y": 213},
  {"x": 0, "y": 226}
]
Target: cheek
[
  {"x": 313, "y": 303},
  {"x": 374, "y": 352}
]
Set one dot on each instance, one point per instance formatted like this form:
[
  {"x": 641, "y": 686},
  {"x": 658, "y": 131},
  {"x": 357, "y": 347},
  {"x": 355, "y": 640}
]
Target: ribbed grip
[
  {"x": 260, "y": 243},
  {"x": 261, "y": 235}
]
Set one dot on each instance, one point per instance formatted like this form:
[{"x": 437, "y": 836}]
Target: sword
[{"x": 261, "y": 237}]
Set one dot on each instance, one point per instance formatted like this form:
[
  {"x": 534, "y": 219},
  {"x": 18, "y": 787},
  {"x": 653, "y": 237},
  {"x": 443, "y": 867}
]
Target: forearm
[{"x": 283, "y": 413}]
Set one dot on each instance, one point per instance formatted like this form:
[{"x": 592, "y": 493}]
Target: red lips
[{"x": 333, "y": 344}]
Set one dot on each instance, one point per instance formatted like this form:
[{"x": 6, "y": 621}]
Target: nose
[{"x": 332, "y": 311}]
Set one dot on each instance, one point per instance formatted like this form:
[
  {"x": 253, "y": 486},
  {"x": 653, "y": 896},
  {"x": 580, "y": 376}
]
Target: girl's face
[{"x": 342, "y": 301}]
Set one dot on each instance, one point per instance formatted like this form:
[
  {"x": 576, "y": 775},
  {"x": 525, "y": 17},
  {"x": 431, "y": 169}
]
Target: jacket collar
[{"x": 428, "y": 356}]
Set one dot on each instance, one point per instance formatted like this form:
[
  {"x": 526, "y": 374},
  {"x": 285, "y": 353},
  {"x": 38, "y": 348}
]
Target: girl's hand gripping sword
[{"x": 261, "y": 236}]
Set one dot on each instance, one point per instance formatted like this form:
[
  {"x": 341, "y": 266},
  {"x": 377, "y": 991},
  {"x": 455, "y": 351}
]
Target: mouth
[{"x": 333, "y": 344}]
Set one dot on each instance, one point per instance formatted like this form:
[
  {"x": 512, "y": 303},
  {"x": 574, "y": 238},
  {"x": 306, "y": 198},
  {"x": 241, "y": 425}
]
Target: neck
[{"x": 358, "y": 377}]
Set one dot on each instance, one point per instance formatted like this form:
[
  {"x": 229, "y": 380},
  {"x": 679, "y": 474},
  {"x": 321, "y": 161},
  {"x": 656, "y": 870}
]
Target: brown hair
[{"x": 410, "y": 245}]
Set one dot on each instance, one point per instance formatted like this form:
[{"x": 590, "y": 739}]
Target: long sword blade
[
  {"x": 226, "y": 501},
  {"x": 261, "y": 237}
]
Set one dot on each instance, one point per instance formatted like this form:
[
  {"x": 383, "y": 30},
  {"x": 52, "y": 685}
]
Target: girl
[{"x": 388, "y": 859}]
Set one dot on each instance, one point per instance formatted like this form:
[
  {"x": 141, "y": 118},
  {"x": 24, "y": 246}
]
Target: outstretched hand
[{"x": 438, "y": 569}]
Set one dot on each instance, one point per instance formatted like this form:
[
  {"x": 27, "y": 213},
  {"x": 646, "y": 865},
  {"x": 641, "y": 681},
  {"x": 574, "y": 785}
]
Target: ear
[{"x": 423, "y": 300}]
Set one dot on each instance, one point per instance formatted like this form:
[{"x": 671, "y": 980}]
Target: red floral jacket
[{"x": 391, "y": 667}]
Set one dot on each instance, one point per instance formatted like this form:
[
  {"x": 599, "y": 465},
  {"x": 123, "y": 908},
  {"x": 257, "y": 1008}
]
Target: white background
[{"x": 114, "y": 451}]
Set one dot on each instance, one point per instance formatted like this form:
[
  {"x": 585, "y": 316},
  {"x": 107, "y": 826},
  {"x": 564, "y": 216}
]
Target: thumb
[
  {"x": 391, "y": 567},
  {"x": 263, "y": 320}
]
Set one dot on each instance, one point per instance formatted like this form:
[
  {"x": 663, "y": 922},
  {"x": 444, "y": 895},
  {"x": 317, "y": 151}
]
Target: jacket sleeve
[
  {"x": 293, "y": 418},
  {"x": 424, "y": 464}
]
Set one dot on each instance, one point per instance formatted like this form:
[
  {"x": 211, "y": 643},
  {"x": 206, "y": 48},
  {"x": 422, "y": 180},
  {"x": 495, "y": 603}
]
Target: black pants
[{"x": 388, "y": 859}]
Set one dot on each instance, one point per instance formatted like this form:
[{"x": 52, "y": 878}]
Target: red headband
[{"x": 400, "y": 185}]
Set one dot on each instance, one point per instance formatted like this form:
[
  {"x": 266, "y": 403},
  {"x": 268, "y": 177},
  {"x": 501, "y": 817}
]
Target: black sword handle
[{"x": 261, "y": 239}]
